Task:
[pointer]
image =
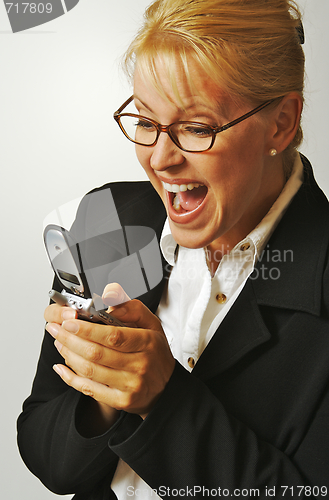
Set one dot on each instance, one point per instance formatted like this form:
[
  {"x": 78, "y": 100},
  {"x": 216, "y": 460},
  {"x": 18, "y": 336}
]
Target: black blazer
[{"x": 254, "y": 413}]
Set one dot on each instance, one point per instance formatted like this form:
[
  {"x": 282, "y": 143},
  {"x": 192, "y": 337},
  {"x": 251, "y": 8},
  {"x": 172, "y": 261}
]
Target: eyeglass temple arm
[
  {"x": 128, "y": 101},
  {"x": 244, "y": 117}
]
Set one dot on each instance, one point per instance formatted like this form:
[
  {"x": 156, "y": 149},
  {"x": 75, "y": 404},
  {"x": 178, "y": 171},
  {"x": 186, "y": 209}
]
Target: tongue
[{"x": 190, "y": 200}]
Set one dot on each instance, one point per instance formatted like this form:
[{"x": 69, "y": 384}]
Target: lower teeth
[{"x": 176, "y": 203}]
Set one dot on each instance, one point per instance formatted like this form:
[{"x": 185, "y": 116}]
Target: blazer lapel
[
  {"x": 242, "y": 330},
  {"x": 297, "y": 253}
]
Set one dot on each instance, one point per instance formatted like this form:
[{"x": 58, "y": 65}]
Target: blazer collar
[{"x": 289, "y": 271}]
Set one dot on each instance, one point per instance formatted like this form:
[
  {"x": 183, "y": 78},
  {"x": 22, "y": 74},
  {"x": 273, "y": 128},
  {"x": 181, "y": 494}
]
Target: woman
[{"x": 224, "y": 391}]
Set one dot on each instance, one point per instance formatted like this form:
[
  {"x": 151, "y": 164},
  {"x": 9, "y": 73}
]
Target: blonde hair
[{"x": 250, "y": 48}]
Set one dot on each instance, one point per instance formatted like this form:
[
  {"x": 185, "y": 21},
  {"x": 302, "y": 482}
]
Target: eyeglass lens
[{"x": 190, "y": 136}]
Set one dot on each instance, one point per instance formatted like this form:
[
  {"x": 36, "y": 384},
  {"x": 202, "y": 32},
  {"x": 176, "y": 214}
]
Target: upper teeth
[{"x": 175, "y": 188}]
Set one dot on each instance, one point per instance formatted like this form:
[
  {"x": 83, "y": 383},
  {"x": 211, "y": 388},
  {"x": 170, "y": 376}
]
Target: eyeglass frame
[{"x": 166, "y": 128}]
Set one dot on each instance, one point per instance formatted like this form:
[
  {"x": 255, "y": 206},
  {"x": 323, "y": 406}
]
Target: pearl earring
[{"x": 273, "y": 152}]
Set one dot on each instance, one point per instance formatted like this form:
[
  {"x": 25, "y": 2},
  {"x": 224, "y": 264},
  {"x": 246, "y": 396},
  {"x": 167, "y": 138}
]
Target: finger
[
  {"x": 120, "y": 379},
  {"x": 136, "y": 313},
  {"x": 132, "y": 312},
  {"x": 89, "y": 352},
  {"x": 113, "y": 397},
  {"x": 57, "y": 314},
  {"x": 114, "y": 294},
  {"x": 123, "y": 339},
  {"x": 97, "y": 391}
]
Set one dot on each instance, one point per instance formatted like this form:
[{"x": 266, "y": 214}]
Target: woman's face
[{"x": 238, "y": 180}]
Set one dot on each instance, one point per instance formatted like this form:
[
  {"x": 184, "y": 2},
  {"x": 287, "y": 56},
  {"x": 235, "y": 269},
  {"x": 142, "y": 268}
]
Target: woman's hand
[{"x": 125, "y": 368}]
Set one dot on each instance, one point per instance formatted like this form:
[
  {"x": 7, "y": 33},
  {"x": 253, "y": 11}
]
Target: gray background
[{"x": 59, "y": 85}]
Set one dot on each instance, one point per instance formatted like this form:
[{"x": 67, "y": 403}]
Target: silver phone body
[{"x": 85, "y": 307}]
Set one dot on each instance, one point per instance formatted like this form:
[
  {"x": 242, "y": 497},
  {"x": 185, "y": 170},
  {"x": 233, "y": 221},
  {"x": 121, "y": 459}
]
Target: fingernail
[
  {"x": 68, "y": 313},
  {"x": 58, "y": 345},
  {"x": 58, "y": 370},
  {"x": 111, "y": 295},
  {"x": 71, "y": 326},
  {"x": 53, "y": 329}
]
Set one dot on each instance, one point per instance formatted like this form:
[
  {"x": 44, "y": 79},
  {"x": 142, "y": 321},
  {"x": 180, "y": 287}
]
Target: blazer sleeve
[
  {"x": 48, "y": 439},
  {"x": 197, "y": 449}
]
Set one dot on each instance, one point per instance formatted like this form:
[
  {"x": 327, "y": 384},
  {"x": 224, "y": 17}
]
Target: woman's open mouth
[{"x": 185, "y": 200}]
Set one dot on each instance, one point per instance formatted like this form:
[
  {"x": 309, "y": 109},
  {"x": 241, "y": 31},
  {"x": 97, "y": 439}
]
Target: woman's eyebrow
[
  {"x": 214, "y": 107},
  {"x": 143, "y": 103},
  {"x": 218, "y": 106}
]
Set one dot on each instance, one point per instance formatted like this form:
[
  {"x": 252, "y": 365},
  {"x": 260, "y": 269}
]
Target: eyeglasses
[{"x": 191, "y": 137}]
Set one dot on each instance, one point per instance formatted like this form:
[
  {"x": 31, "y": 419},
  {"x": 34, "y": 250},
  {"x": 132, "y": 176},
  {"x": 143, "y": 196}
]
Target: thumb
[{"x": 114, "y": 294}]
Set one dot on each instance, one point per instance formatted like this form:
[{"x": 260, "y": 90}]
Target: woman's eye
[
  {"x": 145, "y": 125},
  {"x": 197, "y": 131}
]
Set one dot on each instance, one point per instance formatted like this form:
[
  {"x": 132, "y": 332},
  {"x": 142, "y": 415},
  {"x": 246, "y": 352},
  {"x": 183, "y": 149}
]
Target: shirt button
[
  {"x": 221, "y": 298},
  {"x": 244, "y": 247},
  {"x": 191, "y": 362}
]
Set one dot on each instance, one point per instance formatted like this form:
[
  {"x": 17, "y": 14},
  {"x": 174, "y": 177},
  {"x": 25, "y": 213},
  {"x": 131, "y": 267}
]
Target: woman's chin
[{"x": 190, "y": 238}]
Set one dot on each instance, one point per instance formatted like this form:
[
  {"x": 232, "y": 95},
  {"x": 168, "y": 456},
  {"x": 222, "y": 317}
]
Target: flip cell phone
[{"x": 65, "y": 258}]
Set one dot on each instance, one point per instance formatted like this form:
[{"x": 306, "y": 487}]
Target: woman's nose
[{"x": 166, "y": 154}]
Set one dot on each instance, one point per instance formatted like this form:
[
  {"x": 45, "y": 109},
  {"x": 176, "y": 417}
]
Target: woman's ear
[{"x": 285, "y": 121}]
